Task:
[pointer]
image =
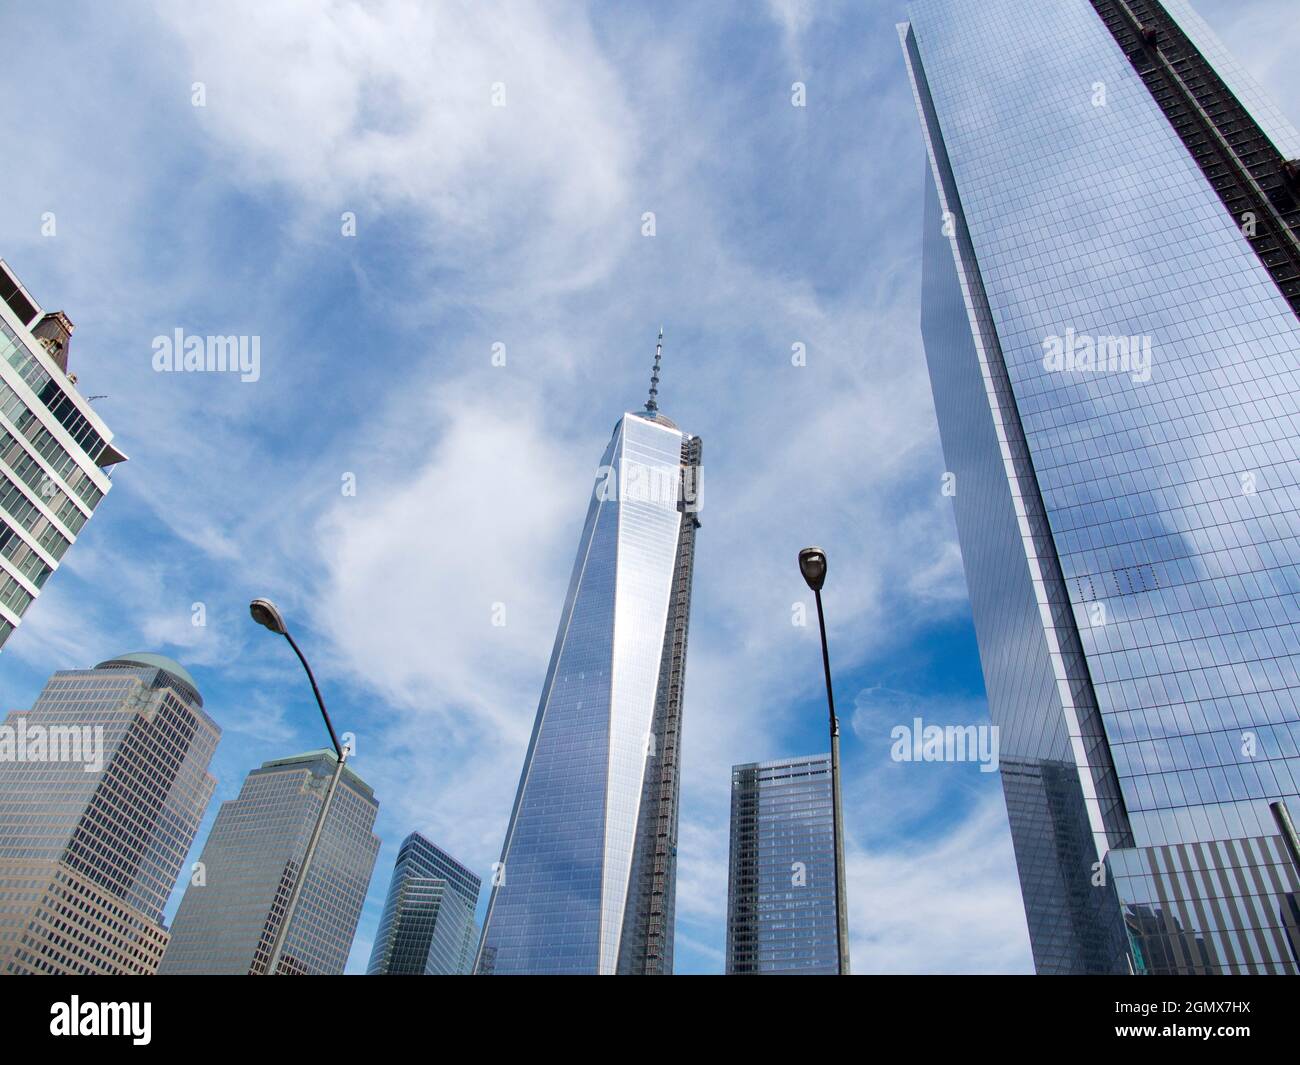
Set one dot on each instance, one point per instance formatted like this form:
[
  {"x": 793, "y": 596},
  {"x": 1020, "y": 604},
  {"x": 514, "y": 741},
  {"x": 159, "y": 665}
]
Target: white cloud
[
  {"x": 948, "y": 905},
  {"x": 793, "y": 16},
  {"x": 59, "y": 635},
  {"x": 418, "y": 561},
  {"x": 518, "y": 224},
  {"x": 703, "y": 849},
  {"x": 390, "y": 107},
  {"x": 1251, "y": 31},
  {"x": 442, "y": 530}
]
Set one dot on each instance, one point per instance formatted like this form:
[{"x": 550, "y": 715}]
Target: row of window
[
  {"x": 33, "y": 475},
  {"x": 49, "y": 448},
  {"x": 59, "y": 403},
  {"x": 13, "y": 595},
  {"x": 28, "y": 515},
  {"x": 23, "y": 556}
]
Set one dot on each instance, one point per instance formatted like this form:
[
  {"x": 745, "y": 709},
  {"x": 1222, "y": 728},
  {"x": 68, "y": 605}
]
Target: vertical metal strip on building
[
  {"x": 1259, "y": 186},
  {"x": 651, "y": 910}
]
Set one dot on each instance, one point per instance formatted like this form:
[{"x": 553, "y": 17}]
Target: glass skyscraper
[
  {"x": 781, "y": 882},
  {"x": 428, "y": 926},
  {"x": 54, "y": 449},
  {"x": 1110, "y": 287},
  {"x": 103, "y": 783},
  {"x": 227, "y": 923},
  {"x": 587, "y": 875}
]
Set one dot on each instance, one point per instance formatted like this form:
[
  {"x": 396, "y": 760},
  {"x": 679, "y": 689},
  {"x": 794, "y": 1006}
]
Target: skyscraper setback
[
  {"x": 227, "y": 923},
  {"x": 781, "y": 913},
  {"x": 587, "y": 875},
  {"x": 54, "y": 449},
  {"x": 1109, "y": 314},
  {"x": 100, "y": 797},
  {"x": 428, "y": 926}
]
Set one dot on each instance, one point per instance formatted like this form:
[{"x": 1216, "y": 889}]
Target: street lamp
[
  {"x": 812, "y": 564},
  {"x": 268, "y": 615}
]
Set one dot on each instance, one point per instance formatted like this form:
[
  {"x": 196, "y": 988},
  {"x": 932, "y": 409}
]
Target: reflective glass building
[
  {"x": 428, "y": 926},
  {"x": 587, "y": 876},
  {"x": 228, "y": 919},
  {"x": 1110, "y": 294},
  {"x": 54, "y": 449},
  {"x": 781, "y": 882},
  {"x": 103, "y": 783}
]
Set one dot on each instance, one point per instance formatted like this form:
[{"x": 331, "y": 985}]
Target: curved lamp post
[
  {"x": 268, "y": 615},
  {"x": 812, "y": 564}
]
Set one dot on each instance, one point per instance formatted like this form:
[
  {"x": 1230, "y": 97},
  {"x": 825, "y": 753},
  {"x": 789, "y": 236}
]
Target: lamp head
[
  {"x": 268, "y": 615},
  {"x": 812, "y": 564}
]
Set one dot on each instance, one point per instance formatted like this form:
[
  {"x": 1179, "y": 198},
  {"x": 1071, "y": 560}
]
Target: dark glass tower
[
  {"x": 587, "y": 875},
  {"x": 428, "y": 926},
  {"x": 1109, "y": 316},
  {"x": 781, "y": 884}
]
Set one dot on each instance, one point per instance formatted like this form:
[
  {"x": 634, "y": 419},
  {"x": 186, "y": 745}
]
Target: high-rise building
[
  {"x": 428, "y": 926},
  {"x": 103, "y": 783},
  {"x": 228, "y": 919},
  {"x": 587, "y": 877},
  {"x": 54, "y": 449},
  {"x": 1110, "y": 287},
  {"x": 781, "y": 915}
]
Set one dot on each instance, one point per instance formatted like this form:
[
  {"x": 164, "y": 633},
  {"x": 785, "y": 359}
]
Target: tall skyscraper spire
[
  {"x": 587, "y": 877},
  {"x": 652, "y": 404}
]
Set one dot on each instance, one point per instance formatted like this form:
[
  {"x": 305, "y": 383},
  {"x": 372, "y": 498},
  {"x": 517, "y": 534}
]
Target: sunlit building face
[
  {"x": 55, "y": 451},
  {"x": 587, "y": 873},
  {"x": 1113, "y": 351}
]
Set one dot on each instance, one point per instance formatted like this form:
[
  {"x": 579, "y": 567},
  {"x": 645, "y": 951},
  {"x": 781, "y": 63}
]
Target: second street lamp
[
  {"x": 266, "y": 614},
  {"x": 812, "y": 564}
]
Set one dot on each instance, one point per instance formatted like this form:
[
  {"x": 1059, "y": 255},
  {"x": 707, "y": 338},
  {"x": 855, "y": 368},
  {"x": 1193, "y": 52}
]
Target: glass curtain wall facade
[
  {"x": 54, "y": 450},
  {"x": 1113, "y": 357},
  {"x": 102, "y": 787},
  {"x": 586, "y": 879},
  {"x": 781, "y": 882},
  {"x": 226, "y": 925},
  {"x": 428, "y": 925}
]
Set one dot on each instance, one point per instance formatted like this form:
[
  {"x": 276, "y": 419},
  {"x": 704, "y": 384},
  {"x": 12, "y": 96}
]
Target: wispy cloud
[
  {"x": 948, "y": 905},
  {"x": 519, "y": 226}
]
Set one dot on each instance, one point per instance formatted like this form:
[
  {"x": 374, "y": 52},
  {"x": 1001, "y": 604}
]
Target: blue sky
[{"x": 519, "y": 225}]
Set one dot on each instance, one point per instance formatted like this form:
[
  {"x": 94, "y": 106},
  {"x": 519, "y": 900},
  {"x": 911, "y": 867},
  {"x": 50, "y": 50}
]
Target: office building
[
  {"x": 103, "y": 783},
  {"x": 428, "y": 926},
  {"x": 1111, "y": 281},
  {"x": 781, "y": 874},
  {"x": 227, "y": 923},
  {"x": 55, "y": 451},
  {"x": 587, "y": 877}
]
